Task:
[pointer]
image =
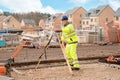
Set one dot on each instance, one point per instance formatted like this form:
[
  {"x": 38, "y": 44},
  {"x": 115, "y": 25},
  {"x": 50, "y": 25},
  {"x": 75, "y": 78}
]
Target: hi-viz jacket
[{"x": 68, "y": 34}]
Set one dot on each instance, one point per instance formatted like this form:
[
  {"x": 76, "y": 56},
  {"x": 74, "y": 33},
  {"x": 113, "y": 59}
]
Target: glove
[
  {"x": 58, "y": 30},
  {"x": 60, "y": 42},
  {"x": 65, "y": 44}
]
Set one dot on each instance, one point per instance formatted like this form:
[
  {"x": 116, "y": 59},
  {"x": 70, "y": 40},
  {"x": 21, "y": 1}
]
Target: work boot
[
  {"x": 70, "y": 61},
  {"x": 71, "y": 65},
  {"x": 76, "y": 67}
]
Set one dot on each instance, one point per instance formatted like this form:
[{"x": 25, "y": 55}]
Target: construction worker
[{"x": 70, "y": 38}]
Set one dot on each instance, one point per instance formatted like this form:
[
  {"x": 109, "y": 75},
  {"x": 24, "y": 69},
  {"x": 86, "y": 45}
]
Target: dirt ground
[
  {"x": 83, "y": 51},
  {"x": 96, "y": 71}
]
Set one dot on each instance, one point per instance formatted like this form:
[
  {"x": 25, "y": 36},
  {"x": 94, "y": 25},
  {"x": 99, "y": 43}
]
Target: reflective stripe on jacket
[{"x": 69, "y": 34}]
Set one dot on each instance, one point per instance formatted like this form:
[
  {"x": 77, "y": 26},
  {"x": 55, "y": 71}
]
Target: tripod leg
[
  {"x": 45, "y": 53},
  {"x": 37, "y": 64}
]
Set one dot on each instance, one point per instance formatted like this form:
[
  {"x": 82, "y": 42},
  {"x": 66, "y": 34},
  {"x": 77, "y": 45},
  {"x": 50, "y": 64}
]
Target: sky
[{"x": 53, "y": 6}]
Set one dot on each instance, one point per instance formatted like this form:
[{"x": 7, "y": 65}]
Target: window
[
  {"x": 80, "y": 26},
  {"x": 80, "y": 22},
  {"x": 54, "y": 17},
  {"x": 89, "y": 14},
  {"x": 80, "y": 15},
  {"x": 117, "y": 18},
  {"x": 106, "y": 19},
  {"x": 13, "y": 25},
  {"x": 97, "y": 11},
  {"x": 83, "y": 22},
  {"x": 91, "y": 20},
  {"x": 87, "y": 22},
  {"x": 8, "y": 20}
]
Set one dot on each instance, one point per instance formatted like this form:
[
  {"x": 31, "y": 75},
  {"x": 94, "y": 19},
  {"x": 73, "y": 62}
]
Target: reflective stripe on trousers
[{"x": 71, "y": 53}]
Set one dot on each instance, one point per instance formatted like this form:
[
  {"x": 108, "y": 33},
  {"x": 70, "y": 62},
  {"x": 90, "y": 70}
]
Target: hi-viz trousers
[{"x": 72, "y": 55}]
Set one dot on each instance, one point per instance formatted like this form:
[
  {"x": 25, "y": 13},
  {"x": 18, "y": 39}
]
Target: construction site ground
[
  {"x": 96, "y": 71},
  {"x": 92, "y": 71},
  {"x": 55, "y": 52}
]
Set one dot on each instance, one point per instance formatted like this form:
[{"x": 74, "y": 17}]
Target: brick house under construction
[
  {"x": 75, "y": 16},
  {"x": 117, "y": 18},
  {"x": 97, "y": 17},
  {"x": 53, "y": 21},
  {"x": 9, "y": 23},
  {"x": 28, "y": 24}
]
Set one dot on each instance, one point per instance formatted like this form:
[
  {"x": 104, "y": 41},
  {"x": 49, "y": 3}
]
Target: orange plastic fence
[{"x": 112, "y": 33}]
